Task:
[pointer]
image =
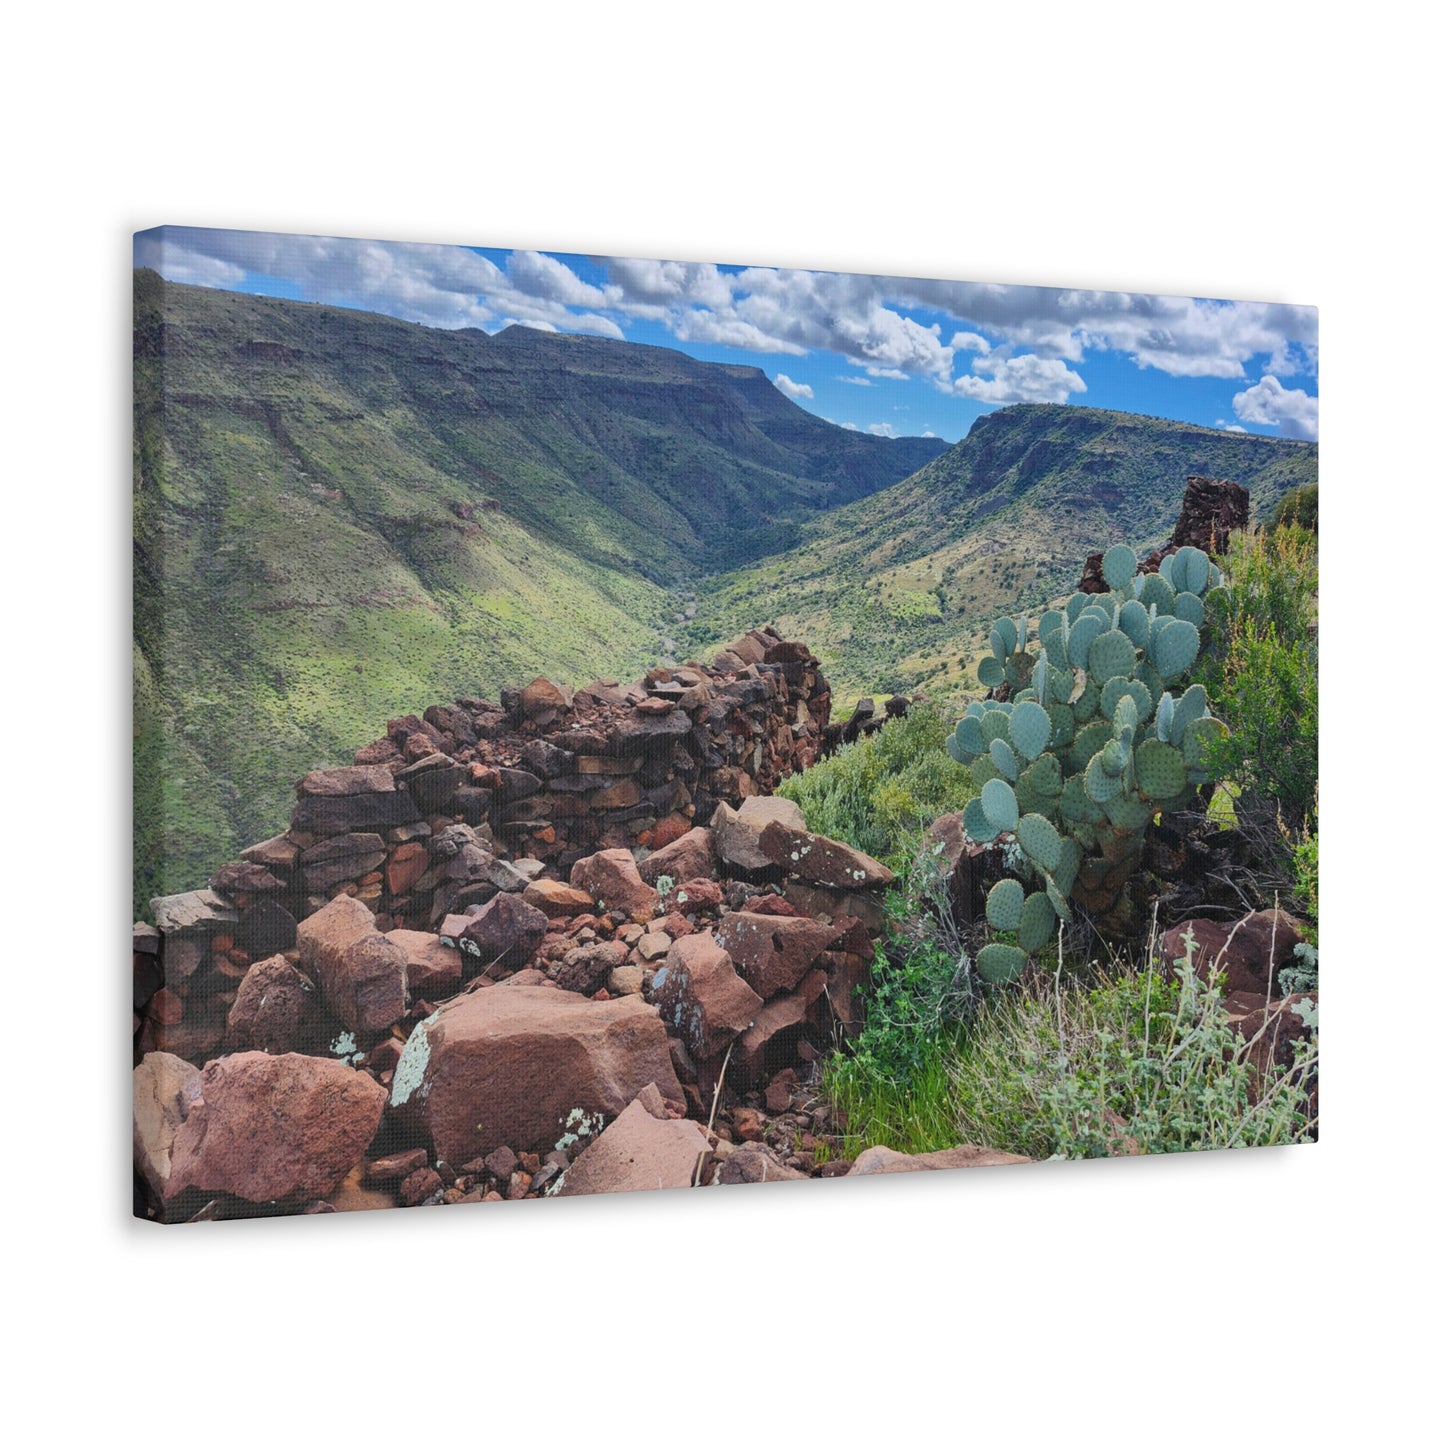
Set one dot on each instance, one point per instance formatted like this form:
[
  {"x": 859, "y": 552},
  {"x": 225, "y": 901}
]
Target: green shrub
[
  {"x": 1140, "y": 1063},
  {"x": 1299, "y": 507},
  {"x": 1262, "y": 670},
  {"x": 874, "y": 794}
]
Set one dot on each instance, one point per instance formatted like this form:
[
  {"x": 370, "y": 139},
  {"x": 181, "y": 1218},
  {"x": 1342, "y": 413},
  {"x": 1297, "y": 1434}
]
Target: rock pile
[
  {"x": 1212, "y": 509},
  {"x": 430, "y": 991}
]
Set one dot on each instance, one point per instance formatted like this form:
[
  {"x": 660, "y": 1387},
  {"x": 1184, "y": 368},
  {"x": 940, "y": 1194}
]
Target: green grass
[{"x": 877, "y": 793}]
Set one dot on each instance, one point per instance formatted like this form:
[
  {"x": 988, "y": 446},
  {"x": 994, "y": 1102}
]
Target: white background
[{"x": 1250, "y": 152}]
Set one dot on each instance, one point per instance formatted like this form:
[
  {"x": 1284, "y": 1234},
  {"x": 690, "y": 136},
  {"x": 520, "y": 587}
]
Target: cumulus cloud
[
  {"x": 882, "y": 429},
  {"x": 864, "y": 319},
  {"x": 1269, "y": 403},
  {"x": 1000, "y": 380},
  {"x": 1224, "y": 425},
  {"x": 794, "y": 389},
  {"x": 856, "y": 380}
]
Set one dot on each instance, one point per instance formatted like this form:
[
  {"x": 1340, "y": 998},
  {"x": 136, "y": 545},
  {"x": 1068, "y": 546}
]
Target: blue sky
[{"x": 895, "y": 356}]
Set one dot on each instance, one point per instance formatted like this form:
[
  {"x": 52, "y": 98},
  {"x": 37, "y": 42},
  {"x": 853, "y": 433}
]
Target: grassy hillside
[
  {"x": 340, "y": 518},
  {"x": 897, "y": 591}
]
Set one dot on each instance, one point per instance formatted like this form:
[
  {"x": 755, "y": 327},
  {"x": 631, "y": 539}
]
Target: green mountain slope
[
  {"x": 897, "y": 591},
  {"x": 340, "y": 518}
]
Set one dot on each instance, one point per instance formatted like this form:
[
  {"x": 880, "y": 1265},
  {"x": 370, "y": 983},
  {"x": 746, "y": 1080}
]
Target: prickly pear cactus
[{"x": 1090, "y": 747}]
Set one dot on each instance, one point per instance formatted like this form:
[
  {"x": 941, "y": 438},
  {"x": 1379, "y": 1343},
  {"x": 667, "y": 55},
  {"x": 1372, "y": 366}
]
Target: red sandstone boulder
[
  {"x": 362, "y": 972},
  {"x": 276, "y": 1011},
  {"x": 586, "y": 969},
  {"x": 773, "y": 953},
  {"x": 700, "y": 996},
  {"x": 638, "y": 1151},
  {"x": 433, "y": 971},
  {"x": 755, "y": 1163},
  {"x": 265, "y": 1128},
  {"x": 556, "y": 899},
  {"x": 163, "y": 1088},
  {"x": 883, "y": 1160},
  {"x": 774, "y": 1030},
  {"x": 691, "y": 856},
  {"x": 822, "y": 860},
  {"x": 528, "y": 1067},
  {"x": 738, "y": 835},
  {"x": 611, "y": 877},
  {"x": 1243, "y": 951}
]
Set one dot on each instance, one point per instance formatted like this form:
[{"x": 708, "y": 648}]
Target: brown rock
[
  {"x": 585, "y": 970},
  {"x": 1242, "y": 951},
  {"x": 433, "y": 971},
  {"x": 694, "y": 895},
  {"x": 419, "y": 1186},
  {"x": 541, "y": 696},
  {"x": 276, "y": 1011},
  {"x": 690, "y": 856},
  {"x": 346, "y": 782},
  {"x": 395, "y": 1167},
  {"x": 775, "y": 1029},
  {"x": 237, "y": 878},
  {"x": 822, "y": 860},
  {"x": 638, "y": 1151},
  {"x": 163, "y": 1088},
  {"x": 611, "y": 877},
  {"x": 755, "y": 1163},
  {"x": 275, "y": 1128},
  {"x": 362, "y": 972},
  {"x": 557, "y": 899},
  {"x": 882, "y": 1160},
  {"x": 202, "y": 908},
  {"x": 404, "y": 866},
  {"x": 700, "y": 996},
  {"x": 738, "y": 835},
  {"x": 277, "y": 852},
  {"x": 773, "y": 954},
  {"x": 526, "y": 1067},
  {"x": 504, "y": 934}
]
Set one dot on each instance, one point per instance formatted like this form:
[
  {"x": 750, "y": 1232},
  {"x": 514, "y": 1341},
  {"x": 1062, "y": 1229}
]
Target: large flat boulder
[
  {"x": 690, "y": 856},
  {"x": 638, "y": 1151},
  {"x": 433, "y": 971},
  {"x": 269, "y": 1128},
  {"x": 277, "y": 1011},
  {"x": 526, "y": 1067},
  {"x": 821, "y": 860},
  {"x": 883, "y": 1160}
]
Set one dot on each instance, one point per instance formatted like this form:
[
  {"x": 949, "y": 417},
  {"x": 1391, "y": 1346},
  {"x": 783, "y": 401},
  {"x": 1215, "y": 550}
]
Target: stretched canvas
[{"x": 608, "y": 724}]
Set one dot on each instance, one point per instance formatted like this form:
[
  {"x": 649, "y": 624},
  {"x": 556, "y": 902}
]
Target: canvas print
[{"x": 614, "y": 725}]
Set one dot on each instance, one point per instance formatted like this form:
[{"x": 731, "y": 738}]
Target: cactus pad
[
  {"x": 1004, "y": 759},
  {"x": 1087, "y": 742},
  {"x": 1160, "y": 769},
  {"x": 1191, "y": 571},
  {"x": 1029, "y": 729},
  {"x": 1005, "y": 905},
  {"x": 976, "y": 823},
  {"x": 990, "y": 671},
  {"x": 1040, "y": 840},
  {"x": 1099, "y": 783},
  {"x": 1174, "y": 647},
  {"x": 951, "y": 746},
  {"x": 1156, "y": 592},
  {"x": 969, "y": 738},
  {"x": 1036, "y": 926},
  {"x": 1046, "y": 777},
  {"x": 1165, "y": 720},
  {"x": 1189, "y": 708},
  {"x": 1120, "y": 564},
  {"x": 1000, "y": 804},
  {"x": 1058, "y": 898},
  {"x": 1111, "y": 654},
  {"x": 1081, "y": 638},
  {"x": 1001, "y": 962},
  {"x": 983, "y": 769},
  {"x": 994, "y": 724},
  {"x": 1003, "y": 639},
  {"x": 1196, "y": 740},
  {"x": 1134, "y": 622},
  {"x": 1061, "y": 720},
  {"x": 1075, "y": 605},
  {"x": 1189, "y": 608}
]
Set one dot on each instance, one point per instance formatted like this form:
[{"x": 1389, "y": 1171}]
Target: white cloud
[
  {"x": 882, "y": 429},
  {"x": 850, "y": 426},
  {"x": 1224, "y": 425},
  {"x": 1268, "y": 403},
  {"x": 1000, "y": 380},
  {"x": 856, "y": 380},
  {"x": 548, "y": 279},
  {"x": 970, "y": 341},
  {"x": 794, "y": 389}
]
